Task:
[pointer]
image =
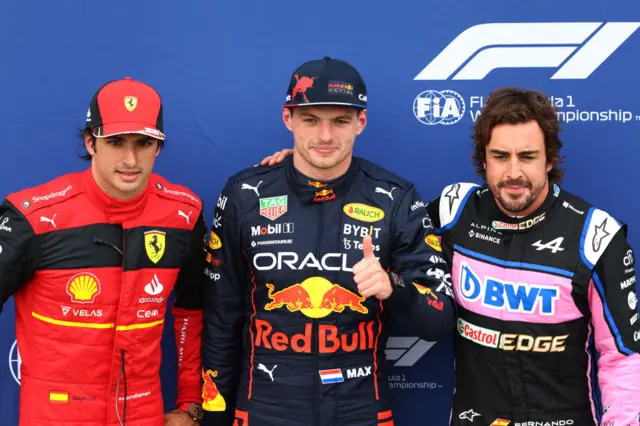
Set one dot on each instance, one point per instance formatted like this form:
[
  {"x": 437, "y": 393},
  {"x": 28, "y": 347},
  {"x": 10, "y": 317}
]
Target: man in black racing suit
[
  {"x": 545, "y": 284},
  {"x": 307, "y": 261}
]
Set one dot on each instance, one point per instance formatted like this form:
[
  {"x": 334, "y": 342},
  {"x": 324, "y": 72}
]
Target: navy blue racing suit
[{"x": 288, "y": 339}]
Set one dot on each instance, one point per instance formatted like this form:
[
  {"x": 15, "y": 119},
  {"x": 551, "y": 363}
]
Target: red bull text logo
[
  {"x": 324, "y": 195},
  {"x": 432, "y": 300},
  {"x": 330, "y": 339}
]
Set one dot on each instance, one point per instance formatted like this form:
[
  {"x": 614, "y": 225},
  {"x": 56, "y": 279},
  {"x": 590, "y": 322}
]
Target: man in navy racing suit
[
  {"x": 307, "y": 261},
  {"x": 545, "y": 283}
]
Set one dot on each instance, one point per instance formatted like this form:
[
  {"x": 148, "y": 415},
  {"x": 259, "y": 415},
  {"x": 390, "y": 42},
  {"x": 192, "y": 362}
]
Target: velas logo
[
  {"x": 315, "y": 297},
  {"x": 302, "y": 85},
  {"x": 83, "y": 288},
  {"x": 363, "y": 212},
  {"x": 433, "y": 242},
  {"x": 273, "y": 207},
  {"x": 214, "y": 241},
  {"x": 154, "y": 243}
]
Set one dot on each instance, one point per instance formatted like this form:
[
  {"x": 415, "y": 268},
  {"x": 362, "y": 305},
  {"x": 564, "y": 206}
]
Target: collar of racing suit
[
  {"x": 117, "y": 210},
  {"x": 315, "y": 191},
  {"x": 536, "y": 219}
]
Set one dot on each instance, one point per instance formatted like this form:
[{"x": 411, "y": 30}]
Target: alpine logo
[{"x": 578, "y": 48}]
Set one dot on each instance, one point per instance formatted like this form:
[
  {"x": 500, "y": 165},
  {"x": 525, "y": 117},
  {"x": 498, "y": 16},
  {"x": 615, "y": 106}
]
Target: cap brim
[
  {"x": 113, "y": 129},
  {"x": 327, "y": 103}
]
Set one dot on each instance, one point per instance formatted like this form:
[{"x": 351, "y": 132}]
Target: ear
[
  {"x": 362, "y": 121},
  {"x": 89, "y": 144},
  {"x": 549, "y": 167},
  {"x": 287, "y": 118}
]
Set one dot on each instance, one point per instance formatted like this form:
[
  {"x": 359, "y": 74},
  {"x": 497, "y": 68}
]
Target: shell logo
[{"x": 83, "y": 288}]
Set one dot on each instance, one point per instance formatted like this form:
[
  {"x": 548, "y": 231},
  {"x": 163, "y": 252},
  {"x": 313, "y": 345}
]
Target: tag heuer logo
[{"x": 274, "y": 207}]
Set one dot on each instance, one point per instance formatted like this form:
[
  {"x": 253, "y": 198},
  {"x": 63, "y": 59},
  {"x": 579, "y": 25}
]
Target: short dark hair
[
  {"x": 87, "y": 132},
  {"x": 510, "y": 105}
]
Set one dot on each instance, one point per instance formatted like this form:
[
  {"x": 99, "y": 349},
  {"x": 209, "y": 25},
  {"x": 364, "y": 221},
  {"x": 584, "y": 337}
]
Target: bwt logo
[
  {"x": 15, "y": 362},
  {"x": 432, "y": 107},
  {"x": 515, "y": 297},
  {"x": 578, "y": 48}
]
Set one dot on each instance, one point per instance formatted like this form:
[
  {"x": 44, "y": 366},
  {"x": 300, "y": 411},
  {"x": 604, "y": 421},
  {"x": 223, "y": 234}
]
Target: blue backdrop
[{"x": 222, "y": 68}]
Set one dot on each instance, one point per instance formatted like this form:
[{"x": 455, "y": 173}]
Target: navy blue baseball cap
[{"x": 326, "y": 81}]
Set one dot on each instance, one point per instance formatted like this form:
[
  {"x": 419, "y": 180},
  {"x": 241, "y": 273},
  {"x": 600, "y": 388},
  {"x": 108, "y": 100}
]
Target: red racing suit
[{"x": 91, "y": 277}]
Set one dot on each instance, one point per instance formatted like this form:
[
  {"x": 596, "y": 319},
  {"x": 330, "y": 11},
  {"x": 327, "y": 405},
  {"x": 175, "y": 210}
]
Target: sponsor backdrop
[{"x": 223, "y": 68}]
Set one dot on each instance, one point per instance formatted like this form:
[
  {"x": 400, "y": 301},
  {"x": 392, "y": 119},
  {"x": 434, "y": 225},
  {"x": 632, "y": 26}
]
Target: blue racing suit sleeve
[
  {"x": 18, "y": 251},
  {"x": 421, "y": 301},
  {"x": 224, "y": 310}
]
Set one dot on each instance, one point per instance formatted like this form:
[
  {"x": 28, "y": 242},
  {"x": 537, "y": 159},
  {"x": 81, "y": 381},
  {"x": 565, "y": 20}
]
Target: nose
[
  {"x": 514, "y": 171},
  {"x": 129, "y": 157},
  {"x": 325, "y": 133}
]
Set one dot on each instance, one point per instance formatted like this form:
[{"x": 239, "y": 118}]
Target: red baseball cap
[{"x": 126, "y": 106}]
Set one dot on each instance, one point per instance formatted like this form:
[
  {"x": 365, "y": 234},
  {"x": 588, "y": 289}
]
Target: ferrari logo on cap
[
  {"x": 130, "y": 102},
  {"x": 154, "y": 243}
]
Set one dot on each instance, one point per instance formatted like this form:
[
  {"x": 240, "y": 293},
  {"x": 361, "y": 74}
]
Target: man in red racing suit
[{"x": 92, "y": 258}]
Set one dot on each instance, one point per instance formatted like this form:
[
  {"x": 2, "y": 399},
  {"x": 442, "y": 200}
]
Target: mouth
[
  {"x": 128, "y": 175},
  {"x": 324, "y": 150}
]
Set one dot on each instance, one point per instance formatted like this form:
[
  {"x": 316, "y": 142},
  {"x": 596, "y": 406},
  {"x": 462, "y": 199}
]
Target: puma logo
[
  {"x": 181, "y": 213},
  {"x": 253, "y": 188},
  {"x": 261, "y": 367},
  {"x": 51, "y": 221},
  {"x": 382, "y": 191}
]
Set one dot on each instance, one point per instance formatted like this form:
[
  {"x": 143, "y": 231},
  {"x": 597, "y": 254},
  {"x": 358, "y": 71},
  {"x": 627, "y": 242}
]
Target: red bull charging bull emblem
[
  {"x": 315, "y": 297},
  {"x": 211, "y": 398}
]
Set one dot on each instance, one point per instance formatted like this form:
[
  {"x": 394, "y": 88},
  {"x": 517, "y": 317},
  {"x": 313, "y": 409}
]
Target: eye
[
  {"x": 145, "y": 143},
  {"x": 310, "y": 120},
  {"x": 341, "y": 122},
  {"x": 115, "y": 142}
]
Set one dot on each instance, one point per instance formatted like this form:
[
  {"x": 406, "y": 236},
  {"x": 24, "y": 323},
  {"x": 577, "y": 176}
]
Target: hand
[
  {"x": 179, "y": 418},
  {"x": 276, "y": 157},
  {"x": 371, "y": 279}
]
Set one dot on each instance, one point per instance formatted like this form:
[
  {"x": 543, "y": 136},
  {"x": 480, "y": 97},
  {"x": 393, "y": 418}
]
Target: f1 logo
[{"x": 486, "y": 47}]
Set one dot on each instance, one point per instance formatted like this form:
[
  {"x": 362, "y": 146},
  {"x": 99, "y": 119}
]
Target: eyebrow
[
  {"x": 340, "y": 117},
  {"x": 501, "y": 152}
]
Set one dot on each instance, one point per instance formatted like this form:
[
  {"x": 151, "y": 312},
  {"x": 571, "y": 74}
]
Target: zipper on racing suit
[
  {"x": 316, "y": 326},
  {"x": 121, "y": 373}
]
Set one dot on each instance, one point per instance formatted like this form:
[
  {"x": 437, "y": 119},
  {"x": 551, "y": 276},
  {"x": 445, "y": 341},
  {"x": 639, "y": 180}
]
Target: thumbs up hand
[{"x": 368, "y": 274}]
